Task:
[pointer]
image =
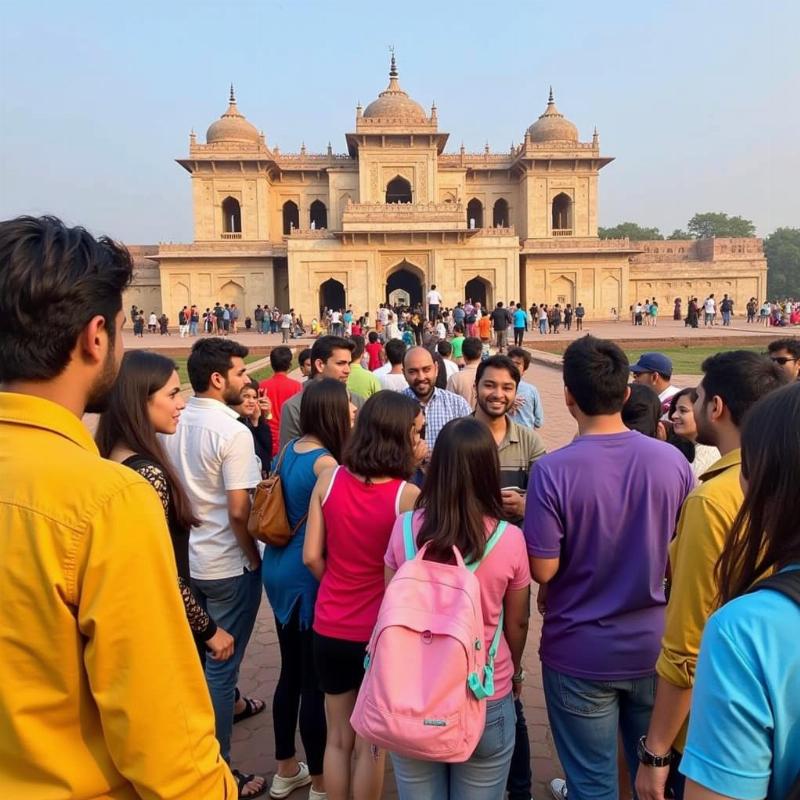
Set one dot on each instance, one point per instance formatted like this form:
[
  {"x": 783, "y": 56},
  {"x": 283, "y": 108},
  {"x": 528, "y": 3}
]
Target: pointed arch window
[
  {"x": 562, "y": 215},
  {"x": 398, "y": 190},
  {"x": 231, "y": 215},
  {"x": 318, "y": 215},
  {"x": 291, "y": 217},
  {"x": 474, "y": 213},
  {"x": 500, "y": 214}
]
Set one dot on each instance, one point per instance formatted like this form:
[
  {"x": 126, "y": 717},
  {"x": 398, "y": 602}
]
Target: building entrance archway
[
  {"x": 332, "y": 295},
  {"x": 479, "y": 290},
  {"x": 405, "y": 282}
]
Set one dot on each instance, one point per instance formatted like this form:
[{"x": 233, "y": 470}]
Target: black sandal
[
  {"x": 242, "y": 780},
  {"x": 251, "y": 708}
]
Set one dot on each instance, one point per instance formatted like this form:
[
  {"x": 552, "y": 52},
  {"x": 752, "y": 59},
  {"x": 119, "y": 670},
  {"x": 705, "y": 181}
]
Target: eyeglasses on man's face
[{"x": 782, "y": 360}]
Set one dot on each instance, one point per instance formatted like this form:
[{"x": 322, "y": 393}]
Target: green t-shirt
[
  {"x": 362, "y": 382},
  {"x": 457, "y": 342}
]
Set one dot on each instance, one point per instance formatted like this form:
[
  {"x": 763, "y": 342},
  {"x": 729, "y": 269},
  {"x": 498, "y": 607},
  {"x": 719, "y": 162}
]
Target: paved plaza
[{"x": 253, "y": 743}]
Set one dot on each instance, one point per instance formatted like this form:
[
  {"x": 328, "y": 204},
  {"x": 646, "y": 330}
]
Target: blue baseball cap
[{"x": 653, "y": 362}]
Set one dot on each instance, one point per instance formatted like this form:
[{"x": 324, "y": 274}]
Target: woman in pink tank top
[{"x": 352, "y": 513}]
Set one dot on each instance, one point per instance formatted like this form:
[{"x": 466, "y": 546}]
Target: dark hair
[
  {"x": 381, "y": 444},
  {"x": 305, "y": 355},
  {"x": 373, "y": 337},
  {"x": 323, "y": 349},
  {"x": 675, "y": 399},
  {"x": 520, "y": 352},
  {"x": 458, "y": 327},
  {"x": 596, "y": 374},
  {"x": 441, "y": 370},
  {"x": 325, "y": 414},
  {"x": 126, "y": 420},
  {"x": 791, "y": 344},
  {"x": 280, "y": 359},
  {"x": 53, "y": 281},
  {"x": 252, "y": 384},
  {"x": 471, "y": 348},
  {"x": 458, "y": 501},
  {"x": 642, "y": 410},
  {"x": 358, "y": 347},
  {"x": 765, "y": 533},
  {"x": 740, "y": 378},
  {"x": 395, "y": 350},
  {"x": 444, "y": 347},
  {"x": 209, "y": 356},
  {"x": 498, "y": 362}
]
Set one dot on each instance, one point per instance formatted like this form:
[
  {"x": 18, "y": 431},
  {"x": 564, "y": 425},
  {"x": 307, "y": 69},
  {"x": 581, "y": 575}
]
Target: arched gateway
[{"x": 406, "y": 279}]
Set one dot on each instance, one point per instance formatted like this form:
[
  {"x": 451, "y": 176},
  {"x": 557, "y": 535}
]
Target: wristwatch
[
  {"x": 518, "y": 677},
  {"x": 650, "y": 759}
]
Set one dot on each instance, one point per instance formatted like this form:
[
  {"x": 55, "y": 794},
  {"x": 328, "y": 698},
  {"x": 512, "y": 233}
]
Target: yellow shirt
[
  {"x": 101, "y": 690},
  {"x": 706, "y": 517}
]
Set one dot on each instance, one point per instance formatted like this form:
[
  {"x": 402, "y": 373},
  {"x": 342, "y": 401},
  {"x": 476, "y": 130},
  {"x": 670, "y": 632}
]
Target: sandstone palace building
[{"x": 396, "y": 214}]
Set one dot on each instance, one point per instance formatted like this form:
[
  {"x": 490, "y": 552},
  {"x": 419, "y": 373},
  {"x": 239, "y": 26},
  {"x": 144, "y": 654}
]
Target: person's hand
[
  {"x": 541, "y": 599},
  {"x": 513, "y": 503},
  {"x": 516, "y": 689},
  {"x": 421, "y": 453},
  {"x": 264, "y": 406},
  {"x": 651, "y": 782},
  {"x": 517, "y": 404},
  {"x": 220, "y": 645}
]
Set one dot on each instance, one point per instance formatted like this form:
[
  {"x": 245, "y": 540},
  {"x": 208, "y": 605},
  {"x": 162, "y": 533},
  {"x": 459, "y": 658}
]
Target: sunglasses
[{"x": 782, "y": 360}]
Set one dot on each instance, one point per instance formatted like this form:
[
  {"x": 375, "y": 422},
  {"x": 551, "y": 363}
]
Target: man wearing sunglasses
[{"x": 786, "y": 354}]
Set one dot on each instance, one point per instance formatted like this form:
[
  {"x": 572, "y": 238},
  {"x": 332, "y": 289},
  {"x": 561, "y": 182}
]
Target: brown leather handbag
[{"x": 268, "y": 521}]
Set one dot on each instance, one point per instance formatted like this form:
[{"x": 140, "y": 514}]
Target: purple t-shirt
[{"x": 607, "y": 506}]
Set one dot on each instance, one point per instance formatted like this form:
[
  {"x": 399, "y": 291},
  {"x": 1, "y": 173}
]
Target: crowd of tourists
[{"x": 396, "y": 505}]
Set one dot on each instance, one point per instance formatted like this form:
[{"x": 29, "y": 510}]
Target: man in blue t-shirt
[
  {"x": 599, "y": 516},
  {"x": 520, "y": 324}
]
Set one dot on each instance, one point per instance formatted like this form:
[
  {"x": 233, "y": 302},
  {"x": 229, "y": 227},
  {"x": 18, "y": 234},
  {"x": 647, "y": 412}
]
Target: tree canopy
[
  {"x": 782, "y": 249},
  {"x": 631, "y": 230},
  {"x": 710, "y": 223}
]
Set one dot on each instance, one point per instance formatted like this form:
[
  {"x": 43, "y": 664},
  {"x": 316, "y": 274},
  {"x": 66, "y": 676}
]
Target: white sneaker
[
  {"x": 313, "y": 794},
  {"x": 283, "y": 787},
  {"x": 558, "y": 788}
]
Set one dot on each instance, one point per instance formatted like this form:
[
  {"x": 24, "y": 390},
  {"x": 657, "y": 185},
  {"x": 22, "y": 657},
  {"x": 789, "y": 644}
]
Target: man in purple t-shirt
[{"x": 599, "y": 515}]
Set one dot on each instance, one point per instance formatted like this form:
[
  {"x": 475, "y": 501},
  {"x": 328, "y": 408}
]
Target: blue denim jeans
[
  {"x": 585, "y": 717},
  {"x": 483, "y": 777},
  {"x": 520, "y": 776},
  {"x": 233, "y": 604}
]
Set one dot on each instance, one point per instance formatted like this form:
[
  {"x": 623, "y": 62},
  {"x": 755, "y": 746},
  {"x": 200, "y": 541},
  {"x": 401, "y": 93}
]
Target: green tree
[
  {"x": 679, "y": 234},
  {"x": 631, "y": 230},
  {"x": 782, "y": 249},
  {"x": 710, "y": 223}
]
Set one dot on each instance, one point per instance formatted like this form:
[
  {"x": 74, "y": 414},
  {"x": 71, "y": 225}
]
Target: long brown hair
[
  {"x": 766, "y": 531},
  {"x": 381, "y": 445},
  {"x": 126, "y": 421},
  {"x": 325, "y": 414},
  {"x": 461, "y": 489}
]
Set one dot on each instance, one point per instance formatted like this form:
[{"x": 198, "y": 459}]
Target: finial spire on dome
[
  {"x": 393, "y": 64},
  {"x": 233, "y": 96},
  {"x": 550, "y": 99}
]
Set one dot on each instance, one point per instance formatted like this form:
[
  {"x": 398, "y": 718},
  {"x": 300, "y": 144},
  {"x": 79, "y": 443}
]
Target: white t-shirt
[
  {"x": 450, "y": 367},
  {"x": 383, "y": 369},
  {"x": 383, "y": 315},
  {"x": 152, "y": 320},
  {"x": 434, "y": 298},
  {"x": 336, "y": 317},
  {"x": 711, "y": 305},
  {"x": 286, "y": 321},
  {"x": 394, "y": 383},
  {"x": 441, "y": 330},
  {"x": 213, "y": 453}
]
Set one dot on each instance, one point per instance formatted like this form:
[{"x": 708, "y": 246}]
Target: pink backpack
[{"x": 428, "y": 671}]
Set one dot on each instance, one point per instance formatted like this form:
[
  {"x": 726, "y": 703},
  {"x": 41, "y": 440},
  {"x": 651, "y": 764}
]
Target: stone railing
[
  {"x": 509, "y": 231},
  {"x": 235, "y": 235},
  {"x": 562, "y": 231},
  {"x": 217, "y": 247},
  {"x": 578, "y": 243},
  {"x": 310, "y": 233},
  {"x": 403, "y": 216}
]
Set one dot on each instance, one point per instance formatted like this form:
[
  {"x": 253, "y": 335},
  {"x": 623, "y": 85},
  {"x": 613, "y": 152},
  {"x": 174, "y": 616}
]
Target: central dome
[
  {"x": 232, "y": 126},
  {"x": 553, "y": 126},
  {"x": 394, "y": 103}
]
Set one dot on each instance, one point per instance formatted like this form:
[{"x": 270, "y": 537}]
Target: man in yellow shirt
[
  {"x": 732, "y": 383},
  {"x": 101, "y": 690}
]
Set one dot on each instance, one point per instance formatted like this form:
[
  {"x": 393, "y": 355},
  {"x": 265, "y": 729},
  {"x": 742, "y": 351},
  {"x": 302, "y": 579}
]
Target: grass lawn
[{"x": 687, "y": 360}]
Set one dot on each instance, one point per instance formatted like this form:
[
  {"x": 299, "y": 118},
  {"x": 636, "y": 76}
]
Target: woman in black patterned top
[{"x": 146, "y": 401}]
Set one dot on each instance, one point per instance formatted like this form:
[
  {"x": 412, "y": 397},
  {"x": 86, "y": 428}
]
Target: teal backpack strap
[
  {"x": 408, "y": 535},
  {"x": 484, "y": 689}
]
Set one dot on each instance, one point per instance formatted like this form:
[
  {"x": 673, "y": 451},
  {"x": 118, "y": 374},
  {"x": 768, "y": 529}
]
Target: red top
[
  {"x": 359, "y": 518},
  {"x": 374, "y": 351},
  {"x": 279, "y": 388}
]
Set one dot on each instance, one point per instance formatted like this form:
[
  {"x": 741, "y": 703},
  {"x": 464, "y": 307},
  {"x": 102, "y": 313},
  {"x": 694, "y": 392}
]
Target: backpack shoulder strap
[
  {"x": 787, "y": 583},
  {"x": 490, "y": 544},
  {"x": 409, "y": 541}
]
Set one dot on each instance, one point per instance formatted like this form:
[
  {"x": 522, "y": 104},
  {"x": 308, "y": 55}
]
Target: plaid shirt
[{"x": 442, "y": 407}]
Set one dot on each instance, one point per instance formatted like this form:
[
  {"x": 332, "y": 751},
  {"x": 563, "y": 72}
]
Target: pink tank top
[{"x": 359, "y": 518}]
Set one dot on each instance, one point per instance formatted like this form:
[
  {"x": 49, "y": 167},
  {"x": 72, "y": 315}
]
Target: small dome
[
  {"x": 394, "y": 103},
  {"x": 553, "y": 126},
  {"x": 232, "y": 127}
]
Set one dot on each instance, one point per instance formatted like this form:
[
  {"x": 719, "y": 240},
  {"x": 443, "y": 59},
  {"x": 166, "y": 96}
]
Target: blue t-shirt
[
  {"x": 744, "y": 729},
  {"x": 520, "y": 318},
  {"x": 607, "y": 507}
]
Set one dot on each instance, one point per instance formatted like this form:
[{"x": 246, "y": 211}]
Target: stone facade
[{"x": 396, "y": 214}]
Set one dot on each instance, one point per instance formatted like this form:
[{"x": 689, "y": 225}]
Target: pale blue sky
[{"x": 699, "y": 100}]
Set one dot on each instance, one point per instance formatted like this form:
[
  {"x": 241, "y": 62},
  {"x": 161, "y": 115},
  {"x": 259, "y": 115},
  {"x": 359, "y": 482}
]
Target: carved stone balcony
[
  {"x": 407, "y": 217},
  {"x": 229, "y": 236},
  {"x": 562, "y": 231}
]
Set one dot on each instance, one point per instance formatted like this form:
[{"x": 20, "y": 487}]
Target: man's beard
[
  {"x": 492, "y": 414},
  {"x": 231, "y": 396},
  {"x": 97, "y": 402}
]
